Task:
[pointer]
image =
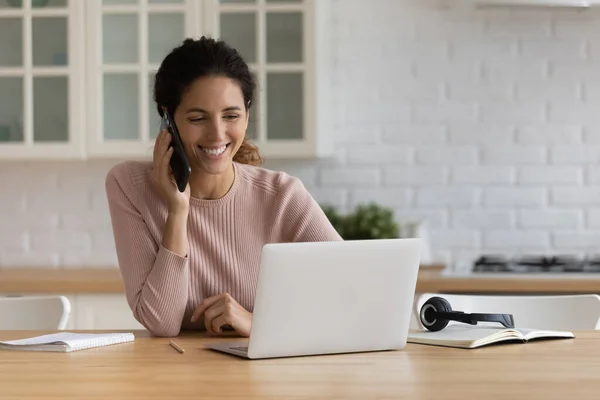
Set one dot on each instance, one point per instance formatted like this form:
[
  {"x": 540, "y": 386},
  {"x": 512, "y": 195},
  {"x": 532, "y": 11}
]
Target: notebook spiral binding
[{"x": 107, "y": 340}]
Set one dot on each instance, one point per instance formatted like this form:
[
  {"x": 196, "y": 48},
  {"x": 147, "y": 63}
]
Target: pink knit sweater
[{"x": 225, "y": 236}]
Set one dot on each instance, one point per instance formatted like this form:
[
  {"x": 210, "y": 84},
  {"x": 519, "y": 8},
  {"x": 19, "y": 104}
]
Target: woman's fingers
[
  {"x": 205, "y": 305},
  {"x": 162, "y": 144},
  {"x": 222, "y": 320},
  {"x": 159, "y": 147},
  {"x": 212, "y": 314},
  {"x": 221, "y": 312},
  {"x": 165, "y": 169},
  {"x": 155, "y": 151}
]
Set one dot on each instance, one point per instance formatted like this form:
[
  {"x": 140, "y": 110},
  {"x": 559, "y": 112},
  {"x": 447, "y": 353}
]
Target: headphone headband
[{"x": 437, "y": 312}]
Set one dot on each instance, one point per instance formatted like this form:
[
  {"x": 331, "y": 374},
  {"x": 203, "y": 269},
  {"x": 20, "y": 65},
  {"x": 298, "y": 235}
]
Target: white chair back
[
  {"x": 565, "y": 312},
  {"x": 34, "y": 313}
]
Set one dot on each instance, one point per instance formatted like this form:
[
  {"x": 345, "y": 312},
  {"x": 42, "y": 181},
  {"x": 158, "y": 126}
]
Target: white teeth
[{"x": 214, "y": 152}]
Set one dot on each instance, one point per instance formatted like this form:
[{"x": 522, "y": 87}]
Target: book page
[
  {"x": 60, "y": 337},
  {"x": 44, "y": 339},
  {"x": 541, "y": 333},
  {"x": 459, "y": 334}
]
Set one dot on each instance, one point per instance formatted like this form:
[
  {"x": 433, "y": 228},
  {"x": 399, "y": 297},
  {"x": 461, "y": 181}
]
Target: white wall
[{"x": 485, "y": 122}]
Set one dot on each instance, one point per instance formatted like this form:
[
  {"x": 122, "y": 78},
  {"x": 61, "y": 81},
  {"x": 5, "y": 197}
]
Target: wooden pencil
[{"x": 176, "y": 347}]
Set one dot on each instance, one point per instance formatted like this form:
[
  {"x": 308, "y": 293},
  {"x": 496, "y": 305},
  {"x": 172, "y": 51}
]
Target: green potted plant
[{"x": 367, "y": 221}]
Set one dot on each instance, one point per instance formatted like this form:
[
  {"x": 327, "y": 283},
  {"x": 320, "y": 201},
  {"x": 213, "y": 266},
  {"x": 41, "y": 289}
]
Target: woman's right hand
[{"x": 163, "y": 179}]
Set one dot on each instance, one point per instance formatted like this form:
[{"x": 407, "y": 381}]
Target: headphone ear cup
[{"x": 434, "y": 304}]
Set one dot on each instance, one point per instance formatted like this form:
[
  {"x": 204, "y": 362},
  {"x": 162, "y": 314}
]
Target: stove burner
[
  {"x": 491, "y": 263},
  {"x": 537, "y": 264}
]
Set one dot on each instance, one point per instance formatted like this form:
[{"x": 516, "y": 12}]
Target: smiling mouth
[{"x": 214, "y": 151}]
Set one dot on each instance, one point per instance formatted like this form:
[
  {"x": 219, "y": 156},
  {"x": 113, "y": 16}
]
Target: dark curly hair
[{"x": 194, "y": 59}]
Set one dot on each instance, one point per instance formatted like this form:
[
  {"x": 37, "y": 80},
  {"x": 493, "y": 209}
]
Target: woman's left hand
[{"x": 220, "y": 311}]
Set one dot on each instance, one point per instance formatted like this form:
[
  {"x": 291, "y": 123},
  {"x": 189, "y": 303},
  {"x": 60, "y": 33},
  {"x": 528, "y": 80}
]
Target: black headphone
[{"x": 436, "y": 313}]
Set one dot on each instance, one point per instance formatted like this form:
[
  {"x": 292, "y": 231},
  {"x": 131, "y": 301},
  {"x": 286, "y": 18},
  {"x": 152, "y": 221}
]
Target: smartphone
[{"x": 179, "y": 161}]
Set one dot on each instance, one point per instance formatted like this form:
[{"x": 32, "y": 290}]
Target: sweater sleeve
[
  {"x": 298, "y": 215},
  {"x": 155, "y": 279}
]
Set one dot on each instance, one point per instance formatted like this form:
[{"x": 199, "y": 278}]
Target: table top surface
[{"x": 149, "y": 368}]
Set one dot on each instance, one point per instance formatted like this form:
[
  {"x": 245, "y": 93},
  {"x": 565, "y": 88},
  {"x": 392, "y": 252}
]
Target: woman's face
[{"x": 212, "y": 121}]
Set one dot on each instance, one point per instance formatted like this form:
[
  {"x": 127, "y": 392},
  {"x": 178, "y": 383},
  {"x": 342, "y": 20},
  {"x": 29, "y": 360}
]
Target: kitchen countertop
[
  {"x": 433, "y": 281},
  {"x": 60, "y": 280},
  {"x": 108, "y": 280}
]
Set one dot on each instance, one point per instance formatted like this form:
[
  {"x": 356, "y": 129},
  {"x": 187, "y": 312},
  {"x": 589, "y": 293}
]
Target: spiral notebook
[{"x": 67, "y": 341}]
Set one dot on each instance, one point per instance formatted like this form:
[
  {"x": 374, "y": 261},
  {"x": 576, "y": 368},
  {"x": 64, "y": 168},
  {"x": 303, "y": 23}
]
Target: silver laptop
[{"x": 331, "y": 297}]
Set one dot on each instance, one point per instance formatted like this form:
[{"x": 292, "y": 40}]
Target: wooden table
[{"x": 150, "y": 369}]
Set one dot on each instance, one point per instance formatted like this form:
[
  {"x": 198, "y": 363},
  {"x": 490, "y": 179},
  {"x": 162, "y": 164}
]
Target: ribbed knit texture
[{"x": 225, "y": 237}]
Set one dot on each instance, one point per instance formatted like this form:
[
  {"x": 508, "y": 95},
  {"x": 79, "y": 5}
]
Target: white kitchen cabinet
[
  {"x": 41, "y": 79},
  {"x": 76, "y": 77},
  {"x": 95, "y": 311},
  {"x": 286, "y": 44},
  {"x": 102, "y": 311},
  {"x": 126, "y": 40}
]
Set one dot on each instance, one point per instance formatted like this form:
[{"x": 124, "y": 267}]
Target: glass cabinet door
[
  {"x": 133, "y": 36},
  {"x": 271, "y": 36},
  {"x": 39, "y": 76}
]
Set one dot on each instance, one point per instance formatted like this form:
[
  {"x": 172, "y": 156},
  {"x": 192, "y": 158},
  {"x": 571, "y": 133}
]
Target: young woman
[{"x": 189, "y": 260}]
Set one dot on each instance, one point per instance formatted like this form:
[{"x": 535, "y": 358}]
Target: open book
[
  {"x": 67, "y": 341},
  {"x": 470, "y": 337}
]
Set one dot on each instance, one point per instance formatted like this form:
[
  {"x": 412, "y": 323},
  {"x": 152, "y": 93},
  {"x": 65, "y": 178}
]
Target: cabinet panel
[
  {"x": 109, "y": 2},
  {"x": 120, "y": 38},
  {"x": 49, "y": 45},
  {"x": 284, "y": 37},
  {"x": 50, "y": 3},
  {"x": 165, "y": 1},
  {"x": 96, "y": 311},
  {"x": 121, "y": 106},
  {"x": 106, "y": 311},
  {"x": 11, "y": 42},
  {"x": 285, "y": 109},
  {"x": 165, "y": 31},
  {"x": 238, "y": 29},
  {"x": 34, "y": 3},
  {"x": 50, "y": 109},
  {"x": 50, "y": 93},
  {"x": 11, "y": 112}
]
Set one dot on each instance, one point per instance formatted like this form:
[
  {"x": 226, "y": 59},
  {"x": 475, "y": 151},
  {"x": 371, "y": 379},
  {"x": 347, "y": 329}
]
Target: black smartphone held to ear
[{"x": 179, "y": 162}]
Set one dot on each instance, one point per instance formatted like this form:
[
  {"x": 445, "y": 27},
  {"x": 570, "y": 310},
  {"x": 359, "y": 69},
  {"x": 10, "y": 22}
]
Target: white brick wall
[{"x": 484, "y": 122}]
